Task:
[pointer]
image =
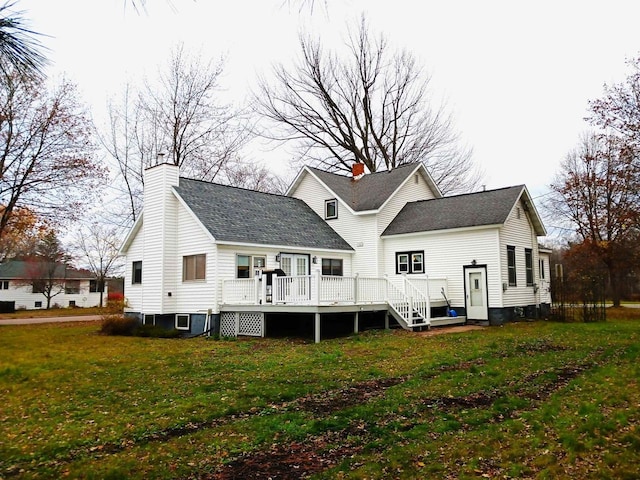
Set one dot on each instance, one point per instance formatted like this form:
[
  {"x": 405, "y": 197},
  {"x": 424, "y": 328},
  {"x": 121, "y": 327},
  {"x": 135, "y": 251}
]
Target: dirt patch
[
  {"x": 292, "y": 461},
  {"x": 456, "y": 329},
  {"x": 326, "y": 403}
]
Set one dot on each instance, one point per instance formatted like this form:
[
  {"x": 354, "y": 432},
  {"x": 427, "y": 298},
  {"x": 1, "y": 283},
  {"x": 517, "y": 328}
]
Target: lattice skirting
[{"x": 233, "y": 324}]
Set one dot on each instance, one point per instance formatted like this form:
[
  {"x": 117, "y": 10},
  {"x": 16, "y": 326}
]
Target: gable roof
[
  {"x": 237, "y": 215},
  {"x": 372, "y": 190},
  {"x": 24, "y": 269},
  {"x": 491, "y": 207}
]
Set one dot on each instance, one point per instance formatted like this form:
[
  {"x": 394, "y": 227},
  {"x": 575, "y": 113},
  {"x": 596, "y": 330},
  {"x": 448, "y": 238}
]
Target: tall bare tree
[
  {"x": 98, "y": 247},
  {"x": 46, "y": 150},
  {"x": 598, "y": 192},
  {"x": 178, "y": 114},
  {"x": 371, "y": 105}
]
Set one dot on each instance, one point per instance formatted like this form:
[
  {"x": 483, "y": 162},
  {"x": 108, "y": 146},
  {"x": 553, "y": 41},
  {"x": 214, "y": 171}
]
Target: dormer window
[{"x": 330, "y": 209}]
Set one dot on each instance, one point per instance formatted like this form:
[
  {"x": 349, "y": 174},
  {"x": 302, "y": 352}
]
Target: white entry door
[
  {"x": 297, "y": 288},
  {"x": 294, "y": 265},
  {"x": 476, "y": 302}
]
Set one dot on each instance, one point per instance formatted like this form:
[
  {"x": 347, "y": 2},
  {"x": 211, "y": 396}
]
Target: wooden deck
[{"x": 411, "y": 302}]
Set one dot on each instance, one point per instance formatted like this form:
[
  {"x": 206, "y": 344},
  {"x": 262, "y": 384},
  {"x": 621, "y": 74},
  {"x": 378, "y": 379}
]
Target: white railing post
[
  {"x": 256, "y": 290},
  {"x": 355, "y": 288},
  {"x": 316, "y": 291}
]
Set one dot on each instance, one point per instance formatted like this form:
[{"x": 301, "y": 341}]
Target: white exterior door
[
  {"x": 294, "y": 265},
  {"x": 298, "y": 288},
  {"x": 476, "y": 301}
]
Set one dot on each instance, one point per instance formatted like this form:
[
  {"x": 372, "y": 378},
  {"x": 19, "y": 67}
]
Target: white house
[
  {"x": 21, "y": 286},
  {"x": 204, "y": 255}
]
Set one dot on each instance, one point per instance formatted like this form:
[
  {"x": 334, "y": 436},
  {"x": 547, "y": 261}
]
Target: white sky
[{"x": 516, "y": 74}]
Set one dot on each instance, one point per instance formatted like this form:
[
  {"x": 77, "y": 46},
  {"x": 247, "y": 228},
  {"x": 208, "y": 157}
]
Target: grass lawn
[
  {"x": 527, "y": 400},
  {"x": 52, "y": 312}
]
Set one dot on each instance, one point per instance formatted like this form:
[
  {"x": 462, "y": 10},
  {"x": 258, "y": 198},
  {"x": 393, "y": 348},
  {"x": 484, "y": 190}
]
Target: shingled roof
[
  {"x": 233, "y": 214},
  {"x": 23, "y": 269},
  {"x": 491, "y": 207},
  {"x": 370, "y": 191}
]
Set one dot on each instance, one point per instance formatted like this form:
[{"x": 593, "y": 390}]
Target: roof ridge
[
  {"x": 466, "y": 194},
  {"x": 232, "y": 186}
]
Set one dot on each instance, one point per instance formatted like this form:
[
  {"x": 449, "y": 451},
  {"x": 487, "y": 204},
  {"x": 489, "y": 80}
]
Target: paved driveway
[{"x": 29, "y": 321}]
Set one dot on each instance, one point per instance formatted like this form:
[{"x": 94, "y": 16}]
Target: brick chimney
[{"x": 357, "y": 170}]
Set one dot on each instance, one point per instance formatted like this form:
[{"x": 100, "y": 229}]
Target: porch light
[
  {"x": 315, "y": 259},
  {"x": 278, "y": 257}
]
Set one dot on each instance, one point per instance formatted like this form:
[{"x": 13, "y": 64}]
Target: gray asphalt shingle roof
[
  {"x": 24, "y": 269},
  {"x": 490, "y": 207},
  {"x": 233, "y": 214},
  {"x": 370, "y": 191}
]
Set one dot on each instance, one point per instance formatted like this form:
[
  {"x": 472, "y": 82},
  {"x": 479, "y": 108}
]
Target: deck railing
[
  {"x": 240, "y": 291},
  {"x": 411, "y": 298}
]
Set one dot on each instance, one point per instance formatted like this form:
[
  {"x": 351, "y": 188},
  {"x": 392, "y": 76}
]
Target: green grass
[{"x": 534, "y": 400}]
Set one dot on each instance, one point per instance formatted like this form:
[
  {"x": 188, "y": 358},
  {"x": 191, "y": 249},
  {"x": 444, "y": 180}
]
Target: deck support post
[
  {"x": 356, "y": 319},
  {"x": 386, "y": 319},
  {"x": 317, "y": 327}
]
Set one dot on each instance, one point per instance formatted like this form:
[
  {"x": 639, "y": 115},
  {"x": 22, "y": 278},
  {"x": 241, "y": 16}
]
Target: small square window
[
  {"x": 332, "y": 266},
  {"x": 149, "y": 319},
  {"x": 194, "y": 267},
  {"x": 330, "y": 209},
  {"x": 38, "y": 304},
  {"x": 4, "y": 285},
  {"x": 182, "y": 322},
  {"x": 72, "y": 303}
]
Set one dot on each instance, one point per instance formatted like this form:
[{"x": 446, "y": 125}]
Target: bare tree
[
  {"x": 46, "y": 150},
  {"x": 371, "y": 106},
  {"x": 598, "y": 192},
  {"x": 179, "y": 114},
  {"x": 98, "y": 247},
  {"x": 121, "y": 143},
  {"x": 20, "y": 48}
]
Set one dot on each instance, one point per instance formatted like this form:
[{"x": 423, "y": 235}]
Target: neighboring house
[
  {"x": 204, "y": 254},
  {"x": 20, "y": 284}
]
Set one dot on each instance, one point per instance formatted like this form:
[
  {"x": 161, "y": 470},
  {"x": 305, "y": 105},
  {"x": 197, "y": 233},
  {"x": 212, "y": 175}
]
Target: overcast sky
[{"x": 516, "y": 74}]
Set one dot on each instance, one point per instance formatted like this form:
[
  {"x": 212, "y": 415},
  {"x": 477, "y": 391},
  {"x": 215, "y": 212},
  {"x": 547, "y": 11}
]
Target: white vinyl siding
[
  {"x": 192, "y": 239},
  {"x": 132, "y": 291},
  {"x": 445, "y": 254},
  {"x": 518, "y": 232},
  {"x": 159, "y": 263},
  {"x": 358, "y": 230}
]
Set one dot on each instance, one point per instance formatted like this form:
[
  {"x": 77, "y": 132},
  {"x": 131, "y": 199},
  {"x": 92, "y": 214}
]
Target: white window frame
[
  {"x": 327, "y": 203},
  {"x": 149, "y": 319},
  {"x": 256, "y": 262},
  {"x": 4, "y": 285},
  {"x": 183, "y": 316},
  {"x": 133, "y": 272},
  {"x": 406, "y": 262},
  {"x": 186, "y": 259}
]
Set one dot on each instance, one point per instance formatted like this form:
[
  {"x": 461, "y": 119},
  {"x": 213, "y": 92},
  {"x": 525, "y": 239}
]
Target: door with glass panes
[{"x": 296, "y": 288}]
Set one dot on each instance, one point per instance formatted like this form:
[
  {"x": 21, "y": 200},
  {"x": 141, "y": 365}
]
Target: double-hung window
[
  {"x": 410, "y": 262},
  {"x": 136, "y": 272},
  {"x": 511, "y": 265},
  {"x": 194, "y": 267},
  {"x": 528, "y": 265},
  {"x": 332, "y": 266}
]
